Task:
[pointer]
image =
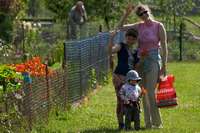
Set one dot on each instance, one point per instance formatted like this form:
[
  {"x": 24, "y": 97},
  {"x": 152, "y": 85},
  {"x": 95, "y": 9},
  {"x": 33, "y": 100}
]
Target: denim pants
[
  {"x": 149, "y": 71},
  {"x": 132, "y": 113}
]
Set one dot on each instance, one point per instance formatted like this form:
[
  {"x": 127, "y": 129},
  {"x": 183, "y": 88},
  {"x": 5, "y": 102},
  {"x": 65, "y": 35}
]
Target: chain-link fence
[
  {"x": 183, "y": 39},
  {"x": 85, "y": 66}
]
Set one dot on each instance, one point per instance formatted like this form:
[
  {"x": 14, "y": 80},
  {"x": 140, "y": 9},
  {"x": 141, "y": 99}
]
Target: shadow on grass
[
  {"x": 101, "y": 130},
  {"x": 105, "y": 130}
]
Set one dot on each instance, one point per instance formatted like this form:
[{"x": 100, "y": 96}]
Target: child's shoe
[
  {"x": 137, "y": 128},
  {"x": 121, "y": 126},
  {"x": 127, "y": 128}
]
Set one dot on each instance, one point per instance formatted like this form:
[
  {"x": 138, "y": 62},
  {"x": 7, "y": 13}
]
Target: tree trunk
[
  {"x": 107, "y": 23},
  {"x": 32, "y": 8}
]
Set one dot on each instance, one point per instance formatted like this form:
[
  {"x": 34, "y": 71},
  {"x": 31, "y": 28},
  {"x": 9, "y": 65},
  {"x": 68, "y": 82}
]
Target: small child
[{"x": 130, "y": 94}]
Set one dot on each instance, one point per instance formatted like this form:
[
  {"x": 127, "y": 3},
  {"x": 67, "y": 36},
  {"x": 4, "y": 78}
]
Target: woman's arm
[
  {"x": 84, "y": 13},
  {"x": 163, "y": 42},
  {"x": 127, "y": 12},
  {"x": 113, "y": 48}
]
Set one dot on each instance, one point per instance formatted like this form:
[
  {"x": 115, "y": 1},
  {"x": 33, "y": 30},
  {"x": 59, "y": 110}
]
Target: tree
[
  {"x": 102, "y": 9},
  {"x": 174, "y": 8},
  {"x": 8, "y": 15},
  {"x": 59, "y": 8}
]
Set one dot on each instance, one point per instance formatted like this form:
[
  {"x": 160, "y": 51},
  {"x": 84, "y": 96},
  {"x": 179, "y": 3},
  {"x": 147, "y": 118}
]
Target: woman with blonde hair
[{"x": 152, "y": 46}]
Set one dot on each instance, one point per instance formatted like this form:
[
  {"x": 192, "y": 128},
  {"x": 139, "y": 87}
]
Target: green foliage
[
  {"x": 12, "y": 121},
  {"x": 109, "y": 11},
  {"x": 6, "y": 27},
  {"x": 60, "y": 8},
  {"x": 192, "y": 28},
  {"x": 9, "y": 79},
  {"x": 34, "y": 45},
  {"x": 9, "y": 84},
  {"x": 191, "y": 50},
  {"x": 177, "y": 8},
  {"x": 16, "y": 9},
  {"x": 56, "y": 54},
  {"x": 93, "y": 79},
  {"x": 174, "y": 6},
  {"x": 56, "y": 66}
]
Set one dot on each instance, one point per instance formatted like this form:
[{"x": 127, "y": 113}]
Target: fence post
[
  {"x": 174, "y": 20},
  {"x": 80, "y": 67},
  {"x": 181, "y": 41},
  {"x": 28, "y": 93},
  {"x": 100, "y": 28},
  {"x": 5, "y": 95},
  {"x": 90, "y": 64},
  {"x": 23, "y": 42},
  {"x": 47, "y": 85},
  {"x": 64, "y": 65}
]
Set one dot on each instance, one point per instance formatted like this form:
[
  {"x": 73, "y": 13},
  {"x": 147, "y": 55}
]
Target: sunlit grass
[{"x": 97, "y": 115}]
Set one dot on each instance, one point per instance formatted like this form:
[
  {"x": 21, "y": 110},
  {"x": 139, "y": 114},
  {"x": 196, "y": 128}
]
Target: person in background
[
  {"x": 124, "y": 64},
  {"x": 77, "y": 20},
  {"x": 152, "y": 51}
]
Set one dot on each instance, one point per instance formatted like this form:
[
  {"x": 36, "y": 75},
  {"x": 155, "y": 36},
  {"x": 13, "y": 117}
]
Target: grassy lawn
[{"x": 97, "y": 115}]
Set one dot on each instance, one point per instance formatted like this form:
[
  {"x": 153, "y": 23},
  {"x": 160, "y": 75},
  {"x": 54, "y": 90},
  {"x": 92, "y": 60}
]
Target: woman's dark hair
[{"x": 132, "y": 32}]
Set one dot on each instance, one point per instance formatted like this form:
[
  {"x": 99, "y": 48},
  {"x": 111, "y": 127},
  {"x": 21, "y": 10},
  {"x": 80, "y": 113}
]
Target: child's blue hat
[{"x": 132, "y": 75}]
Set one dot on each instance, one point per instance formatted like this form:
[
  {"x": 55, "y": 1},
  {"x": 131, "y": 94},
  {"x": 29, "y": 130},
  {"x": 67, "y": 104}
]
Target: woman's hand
[
  {"x": 110, "y": 45},
  {"x": 163, "y": 70},
  {"x": 129, "y": 9},
  {"x": 113, "y": 48},
  {"x": 112, "y": 34}
]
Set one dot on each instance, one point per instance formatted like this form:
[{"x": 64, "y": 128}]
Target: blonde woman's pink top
[{"x": 148, "y": 36}]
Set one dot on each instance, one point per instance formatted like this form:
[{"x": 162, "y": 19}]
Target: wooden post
[
  {"x": 23, "y": 42},
  {"x": 47, "y": 85},
  {"x": 181, "y": 41},
  {"x": 100, "y": 28}
]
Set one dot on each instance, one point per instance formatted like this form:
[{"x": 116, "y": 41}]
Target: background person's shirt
[{"x": 76, "y": 17}]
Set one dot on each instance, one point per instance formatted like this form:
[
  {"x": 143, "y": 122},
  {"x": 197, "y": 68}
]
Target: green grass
[{"x": 98, "y": 114}]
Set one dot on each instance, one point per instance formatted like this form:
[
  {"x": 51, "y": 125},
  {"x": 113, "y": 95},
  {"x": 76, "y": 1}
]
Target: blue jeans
[{"x": 132, "y": 113}]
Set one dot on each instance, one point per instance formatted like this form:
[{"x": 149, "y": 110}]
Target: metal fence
[
  {"x": 86, "y": 65},
  {"x": 183, "y": 39}
]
